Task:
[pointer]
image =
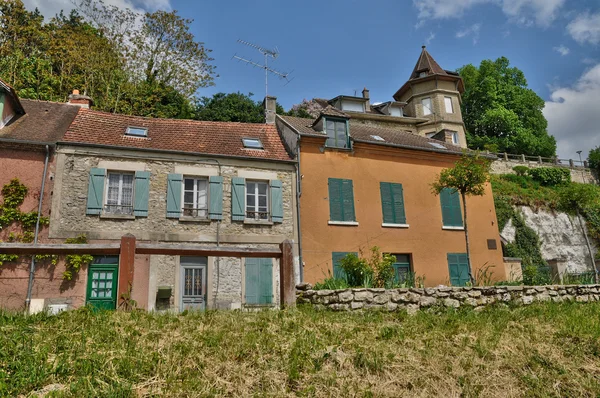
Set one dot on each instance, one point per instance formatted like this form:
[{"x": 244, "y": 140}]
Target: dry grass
[{"x": 539, "y": 351}]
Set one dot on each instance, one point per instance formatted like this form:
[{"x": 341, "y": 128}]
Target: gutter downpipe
[
  {"x": 298, "y": 195},
  {"x": 37, "y": 229}
]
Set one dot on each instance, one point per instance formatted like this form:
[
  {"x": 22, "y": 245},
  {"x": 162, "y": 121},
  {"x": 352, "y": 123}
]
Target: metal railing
[
  {"x": 195, "y": 212},
  {"x": 555, "y": 161},
  {"x": 257, "y": 215}
]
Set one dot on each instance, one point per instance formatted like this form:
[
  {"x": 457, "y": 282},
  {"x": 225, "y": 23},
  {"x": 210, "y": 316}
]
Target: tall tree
[
  {"x": 501, "y": 113},
  {"x": 468, "y": 177},
  {"x": 232, "y": 107}
]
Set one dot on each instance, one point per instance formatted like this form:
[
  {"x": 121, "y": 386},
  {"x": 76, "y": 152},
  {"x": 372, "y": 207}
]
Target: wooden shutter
[
  {"x": 348, "y": 201},
  {"x": 238, "y": 199},
  {"x": 458, "y": 267},
  {"x": 95, "y": 199},
  {"x": 392, "y": 203},
  {"x": 215, "y": 197},
  {"x": 141, "y": 193},
  {"x": 266, "y": 281},
  {"x": 252, "y": 280},
  {"x": 276, "y": 201},
  {"x": 398, "y": 204},
  {"x": 451, "y": 212},
  {"x": 174, "y": 186},
  {"x": 335, "y": 200}
]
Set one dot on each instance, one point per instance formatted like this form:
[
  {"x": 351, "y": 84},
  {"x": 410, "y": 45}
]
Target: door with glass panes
[
  {"x": 193, "y": 283},
  {"x": 103, "y": 275}
]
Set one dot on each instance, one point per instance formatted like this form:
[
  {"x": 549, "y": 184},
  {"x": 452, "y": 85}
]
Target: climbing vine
[{"x": 74, "y": 262}]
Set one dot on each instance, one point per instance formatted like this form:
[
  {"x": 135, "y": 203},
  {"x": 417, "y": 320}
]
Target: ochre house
[{"x": 366, "y": 172}]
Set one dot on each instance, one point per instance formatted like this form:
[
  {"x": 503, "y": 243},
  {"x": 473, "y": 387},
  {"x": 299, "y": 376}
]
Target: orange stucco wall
[{"x": 424, "y": 239}]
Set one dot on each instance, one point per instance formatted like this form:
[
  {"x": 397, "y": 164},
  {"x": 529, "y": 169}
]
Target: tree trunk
[
  {"x": 587, "y": 241},
  {"x": 464, "y": 200}
]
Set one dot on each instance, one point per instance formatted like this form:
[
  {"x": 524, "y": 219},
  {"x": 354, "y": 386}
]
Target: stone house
[
  {"x": 366, "y": 171},
  {"x": 180, "y": 182}
]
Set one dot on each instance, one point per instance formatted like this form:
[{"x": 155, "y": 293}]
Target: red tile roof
[{"x": 214, "y": 138}]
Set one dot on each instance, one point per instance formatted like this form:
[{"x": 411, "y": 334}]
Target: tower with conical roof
[{"x": 433, "y": 94}]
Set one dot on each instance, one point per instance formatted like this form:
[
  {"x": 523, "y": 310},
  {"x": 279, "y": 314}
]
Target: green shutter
[
  {"x": 266, "y": 281},
  {"x": 141, "y": 192},
  {"x": 458, "y": 266},
  {"x": 174, "y": 187},
  {"x": 335, "y": 200},
  {"x": 336, "y": 257},
  {"x": 451, "y": 212},
  {"x": 215, "y": 196},
  {"x": 252, "y": 279},
  {"x": 95, "y": 198},
  {"x": 392, "y": 203},
  {"x": 238, "y": 199},
  {"x": 401, "y": 267},
  {"x": 348, "y": 200},
  {"x": 276, "y": 201},
  {"x": 398, "y": 200}
]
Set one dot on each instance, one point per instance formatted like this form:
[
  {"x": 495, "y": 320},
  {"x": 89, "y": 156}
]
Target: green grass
[{"x": 545, "y": 350}]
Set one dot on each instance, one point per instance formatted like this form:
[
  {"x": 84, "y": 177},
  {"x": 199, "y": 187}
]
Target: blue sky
[{"x": 339, "y": 47}]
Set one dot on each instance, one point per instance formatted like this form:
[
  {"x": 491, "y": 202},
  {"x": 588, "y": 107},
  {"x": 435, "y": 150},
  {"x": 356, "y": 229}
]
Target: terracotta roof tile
[
  {"x": 216, "y": 138},
  {"x": 426, "y": 63}
]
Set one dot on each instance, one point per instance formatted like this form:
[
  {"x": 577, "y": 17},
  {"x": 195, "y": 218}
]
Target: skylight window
[
  {"x": 377, "y": 138},
  {"x": 137, "y": 131},
  {"x": 435, "y": 144},
  {"x": 253, "y": 143}
]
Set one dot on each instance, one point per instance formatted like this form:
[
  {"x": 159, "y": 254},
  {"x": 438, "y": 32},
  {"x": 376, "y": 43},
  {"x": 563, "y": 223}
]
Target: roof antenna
[{"x": 266, "y": 53}]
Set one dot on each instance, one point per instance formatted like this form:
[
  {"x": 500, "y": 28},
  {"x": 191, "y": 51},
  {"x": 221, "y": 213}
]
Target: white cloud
[
  {"x": 562, "y": 50},
  {"x": 50, "y": 8},
  {"x": 588, "y": 61},
  {"x": 472, "y": 30},
  {"x": 585, "y": 28},
  {"x": 527, "y": 12},
  {"x": 430, "y": 38},
  {"x": 573, "y": 116}
]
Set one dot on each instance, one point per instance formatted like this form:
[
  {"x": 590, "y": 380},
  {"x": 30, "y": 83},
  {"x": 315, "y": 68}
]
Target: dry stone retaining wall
[{"x": 414, "y": 299}]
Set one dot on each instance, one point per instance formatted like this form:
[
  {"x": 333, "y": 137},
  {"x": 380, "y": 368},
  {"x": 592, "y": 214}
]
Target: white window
[
  {"x": 195, "y": 197},
  {"x": 257, "y": 200},
  {"x": 353, "y": 106},
  {"x": 398, "y": 112},
  {"x": 448, "y": 103},
  {"x": 119, "y": 194},
  {"x": 455, "y": 138},
  {"x": 426, "y": 102}
]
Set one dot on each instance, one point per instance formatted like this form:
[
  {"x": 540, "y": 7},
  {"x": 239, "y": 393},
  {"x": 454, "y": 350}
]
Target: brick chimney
[
  {"x": 365, "y": 94},
  {"x": 270, "y": 105},
  {"x": 82, "y": 101}
]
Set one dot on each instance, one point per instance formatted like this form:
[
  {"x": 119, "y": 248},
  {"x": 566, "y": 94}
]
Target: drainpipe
[
  {"x": 298, "y": 194},
  {"x": 37, "y": 229}
]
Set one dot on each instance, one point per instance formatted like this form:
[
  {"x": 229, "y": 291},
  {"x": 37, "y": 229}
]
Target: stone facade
[
  {"x": 578, "y": 174},
  {"x": 414, "y": 299},
  {"x": 224, "y": 276}
]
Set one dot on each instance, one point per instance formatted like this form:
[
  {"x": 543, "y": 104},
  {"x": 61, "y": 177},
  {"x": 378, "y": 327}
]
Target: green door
[
  {"x": 102, "y": 282},
  {"x": 401, "y": 268},
  {"x": 458, "y": 266},
  {"x": 259, "y": 281}
]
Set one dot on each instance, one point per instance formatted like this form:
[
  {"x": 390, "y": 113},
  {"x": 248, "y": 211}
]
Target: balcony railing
[
  {"x": 258, "y": 215},
  {"x": 195, "y": 212}
]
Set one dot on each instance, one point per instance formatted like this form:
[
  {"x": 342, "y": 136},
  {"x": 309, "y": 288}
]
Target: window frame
[
  {"x": 246, "y": 146},
  {"x": 195, "y": 192},
  {"x": 130, "y": 134},
  {"x": 409, "y": 262},
  {"x": 427, "y": 107},
  {"x": 256, "y": 200},
  {"x": 455, "y": 138},
  {"x": 335, "y": 137},
  {"x": 451, "y": 103},
  {"x": 105, "y": 205}
]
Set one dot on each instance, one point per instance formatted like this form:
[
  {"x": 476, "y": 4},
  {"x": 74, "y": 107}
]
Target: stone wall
[
  {"x": 578, "y": 174},
  {"x": 414, "y": 299}
]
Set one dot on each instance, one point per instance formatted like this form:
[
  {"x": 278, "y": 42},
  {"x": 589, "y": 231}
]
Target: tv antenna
[{"x": 266, "y": 53}]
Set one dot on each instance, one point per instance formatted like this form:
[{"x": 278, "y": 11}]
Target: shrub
[
  {"x": 376, "y": 271},
  {"x": 331, "y": 283},
  {"x": 550, "y": 176},
  {"x": 594, "y": 158},
  {"x": 357, "y": 271},
  {"x": 520, "y": 180},
  {"x": 521, "y": 170}
]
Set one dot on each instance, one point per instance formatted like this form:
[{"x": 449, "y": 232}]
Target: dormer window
[
  {"x": 252, "y": 143},
  {"x": 353, "y": 106},
  {"x": 337, "y": 133},
  {"x": 137, "y": 131},
  {"x": 422, "y": 74},
  {"x": 395, "y": 111}
]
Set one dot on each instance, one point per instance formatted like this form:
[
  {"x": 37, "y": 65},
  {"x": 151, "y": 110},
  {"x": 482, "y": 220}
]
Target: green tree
[
  {"x": 468, "y": 177},
  {"x": 594, "y": 158},
  {"x": 501, "y": 113},
  {"x": 232, "y": 107}
]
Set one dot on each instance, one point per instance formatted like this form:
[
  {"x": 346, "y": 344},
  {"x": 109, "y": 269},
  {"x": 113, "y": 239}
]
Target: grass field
[{"x": 544, "y": 350}]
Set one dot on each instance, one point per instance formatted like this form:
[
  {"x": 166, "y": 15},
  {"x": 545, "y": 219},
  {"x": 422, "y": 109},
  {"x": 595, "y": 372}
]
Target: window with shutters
[
  {"x": 119, "y": 194},
  {"x": 451, "y": 211},
  {"x": 195, "y": 197},
  {"x": 392, "y": 204},
  {"x": 257, "y": 200},
  {"x": 341, "y": 202},
  {"x": 337, "y": 133}
]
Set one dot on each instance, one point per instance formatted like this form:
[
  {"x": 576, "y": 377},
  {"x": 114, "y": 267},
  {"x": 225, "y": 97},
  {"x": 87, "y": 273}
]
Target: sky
[{"x": 335, "y": 47}]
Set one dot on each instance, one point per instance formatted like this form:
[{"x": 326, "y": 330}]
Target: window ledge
[
  {"x": 454, "y": 228},
  {"x": 117, "y": 216},
  {"x": 390, "y": 225},
  {"x": 195, "y": 219},
  {"x": 348, "y": 223},
  {"x": 257, "y": 222}
]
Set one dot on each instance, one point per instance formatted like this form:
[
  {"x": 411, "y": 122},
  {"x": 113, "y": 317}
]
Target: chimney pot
[
  {"x": 82, "y": 101},
  {"x": 270, "y": 105},
  {"x": 365, "y": 93},
  {"x": 75, "y": 92}
]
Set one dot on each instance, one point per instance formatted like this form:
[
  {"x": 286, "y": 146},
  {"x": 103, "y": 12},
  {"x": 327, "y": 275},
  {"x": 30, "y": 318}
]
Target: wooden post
[
  {"x": 286, "y": 275},
  {"x": 126, "y": 260},
  {"x": 523, "y": 158}
]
